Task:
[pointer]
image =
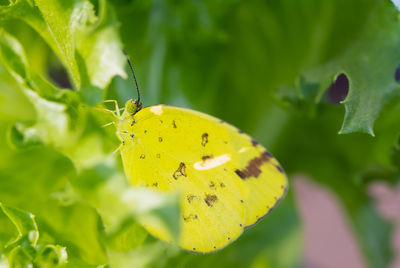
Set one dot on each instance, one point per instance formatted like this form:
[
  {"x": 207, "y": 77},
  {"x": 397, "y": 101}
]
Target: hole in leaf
[
  {"x": 57, "y": 73},
  {"x": 397, "y": 74},
  {"x": 338, "y": 90}
]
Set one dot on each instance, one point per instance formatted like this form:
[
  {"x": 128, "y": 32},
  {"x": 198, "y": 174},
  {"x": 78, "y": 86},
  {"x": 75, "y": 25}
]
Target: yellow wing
[{"x": 227, "y": 180}]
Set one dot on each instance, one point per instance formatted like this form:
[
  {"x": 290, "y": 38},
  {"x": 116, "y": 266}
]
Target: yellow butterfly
[{"x": 227, "y": 180}]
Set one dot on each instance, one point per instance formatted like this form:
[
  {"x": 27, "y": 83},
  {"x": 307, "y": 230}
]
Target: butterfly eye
[{"x": 133, "y": 106}]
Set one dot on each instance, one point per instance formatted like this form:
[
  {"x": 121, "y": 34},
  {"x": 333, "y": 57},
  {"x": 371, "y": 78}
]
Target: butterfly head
[{"x": 133, "y": 106}]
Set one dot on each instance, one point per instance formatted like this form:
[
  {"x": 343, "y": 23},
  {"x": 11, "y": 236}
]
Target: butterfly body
[{"x": 227, "y": 180}]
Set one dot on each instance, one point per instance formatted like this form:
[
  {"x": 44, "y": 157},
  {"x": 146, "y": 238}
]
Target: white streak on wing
[
  {"x": 156, "y": 109},
  {"x": 243, "y": 149},
  {"x": 212, "y": 163}
]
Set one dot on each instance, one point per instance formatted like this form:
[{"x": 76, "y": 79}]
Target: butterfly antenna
[{"x": 133, "y": 74}]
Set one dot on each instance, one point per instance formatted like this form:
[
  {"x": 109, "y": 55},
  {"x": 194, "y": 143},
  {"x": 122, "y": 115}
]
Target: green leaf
[
  {"x": 24, "y": 250},
  {"x": 49, "y": 255},
  {"x": 25, "y": 224},
  {"x": 73, "y": 31},
  {"x": 12, "y": 55},
  {"x": 117, "y": 201},
  {"x": 101, "y": 48},
  {"x": 369, "y": 62}
]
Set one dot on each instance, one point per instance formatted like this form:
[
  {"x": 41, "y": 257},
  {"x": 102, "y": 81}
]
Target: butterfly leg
[
  {"x": 117, "y": 109},
  {"x": 108, "y": 124}
]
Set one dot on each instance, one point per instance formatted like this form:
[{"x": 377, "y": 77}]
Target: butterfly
[{"x": 227, "y": 181}]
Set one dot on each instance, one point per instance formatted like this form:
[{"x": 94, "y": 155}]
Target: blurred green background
[{"x": 267, "y": 67}]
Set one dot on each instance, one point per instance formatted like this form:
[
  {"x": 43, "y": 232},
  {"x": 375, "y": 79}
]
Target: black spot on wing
[
  {"x": 212, "y": 185},
  {"x": 190, "y": 217},
  {"x": 160, "y": 139},
  {"x": 190, "y": 198},
  {"x": 204, "y": 139},
  {"x": 280, "y": 169},
  {"x": 205, "y": 157},
  {"x": 181, "y": 171},
  {"x": 269, "y": 154},
  {"x": 142, "y": 156},
  {"x": 253, "y": 167},
  {"x": 210, "y": 199},
  {"x": 254, "y": 142}
]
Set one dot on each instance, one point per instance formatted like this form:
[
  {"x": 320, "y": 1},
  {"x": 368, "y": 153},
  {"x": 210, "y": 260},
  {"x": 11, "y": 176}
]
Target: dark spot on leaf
[
  {"x": 181, "y": 171},
  {"x": 210, "y": 199},
  {"x": 253, "y": 167},
  {"x": 160, "y": 139},
  {"x": 397, "y": 74},
  {"x": 145, "y": 131},
  {"x": 173, "y": 124},
  {"x": 142, "y": 156},
  {"x": 338, "y": 90},
  {"x": 204, "y": 139}
]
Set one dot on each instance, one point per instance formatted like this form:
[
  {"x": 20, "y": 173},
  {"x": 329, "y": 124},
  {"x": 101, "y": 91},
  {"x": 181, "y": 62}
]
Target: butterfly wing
[{"x": 227, "y": 180}]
